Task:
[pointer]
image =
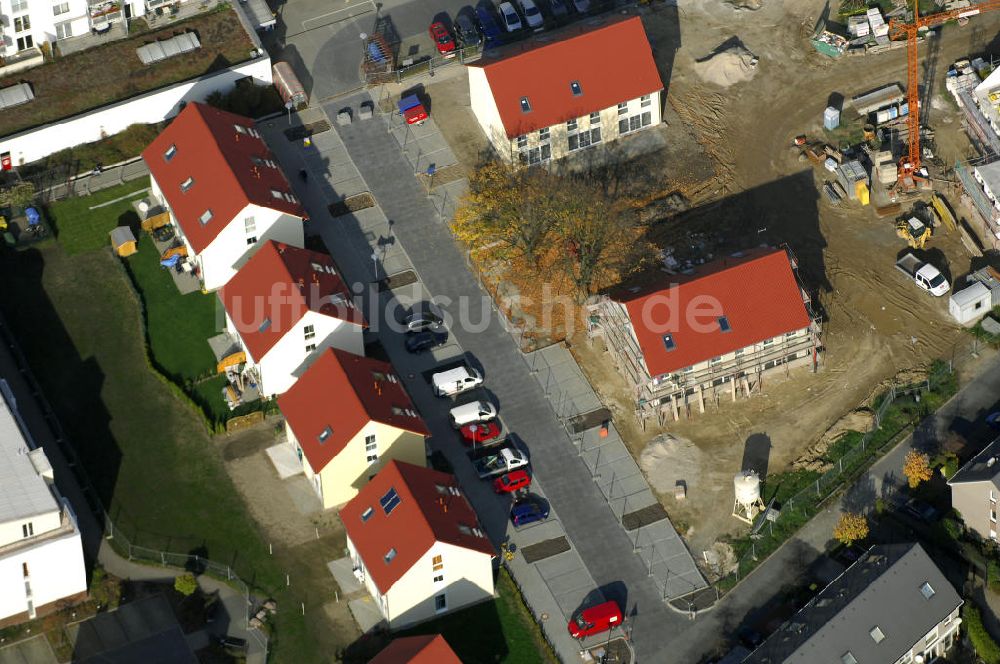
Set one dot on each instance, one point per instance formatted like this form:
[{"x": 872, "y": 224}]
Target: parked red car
[
  {"x": 512, "y": 481},
  {"x": 443, "y": 40},
  {"x": 595, "y": 620},
  {"x": 478, "y": 433}
]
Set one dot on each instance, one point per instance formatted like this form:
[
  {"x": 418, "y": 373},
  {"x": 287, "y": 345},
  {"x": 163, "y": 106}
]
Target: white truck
[
  {"x": 498, "y": 459},
  {"x": 923, "y": 274}
]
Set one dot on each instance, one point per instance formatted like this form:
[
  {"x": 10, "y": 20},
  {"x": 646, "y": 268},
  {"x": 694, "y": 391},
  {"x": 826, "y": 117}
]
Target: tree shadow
[{"x": 757, "y": 454}]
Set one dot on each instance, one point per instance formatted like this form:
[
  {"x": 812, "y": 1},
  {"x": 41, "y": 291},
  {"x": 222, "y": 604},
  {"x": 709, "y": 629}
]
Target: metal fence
[
  {"x": 56, "y": 184},
  {"x": 797, "y": 510}
]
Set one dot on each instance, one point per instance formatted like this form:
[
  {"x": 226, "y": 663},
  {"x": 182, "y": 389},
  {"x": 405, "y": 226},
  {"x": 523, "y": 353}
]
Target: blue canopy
[
  {"x": 172, "y": 261},
  {"x": 33, "y": 217}
]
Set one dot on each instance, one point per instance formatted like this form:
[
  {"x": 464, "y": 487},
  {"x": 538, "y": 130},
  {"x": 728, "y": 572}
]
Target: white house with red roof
[
  {"x": 548, "y": 100},
  {"x": 712, "y": 333},
  {"x": 346, "y": 417},
  {"x": 417, "y": 545},
  {"x": 224, "y": 190},
  {"x": 283, "y": 308}
]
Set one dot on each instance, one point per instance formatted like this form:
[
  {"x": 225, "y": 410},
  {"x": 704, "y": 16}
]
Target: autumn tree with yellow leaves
[
  {"x": 851, "y": 528},
  {"x": 917, "y": 468}
]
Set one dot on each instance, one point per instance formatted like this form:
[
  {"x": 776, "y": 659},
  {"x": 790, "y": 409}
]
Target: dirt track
[{"x": 877, "y": 323}]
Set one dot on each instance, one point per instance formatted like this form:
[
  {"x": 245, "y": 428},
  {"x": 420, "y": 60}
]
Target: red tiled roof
[
  {"x": 423, "y": 516},
  {"x": 273, "y": 291},
  {"x": 423, "y": 649},
  {"x": 757, "y": 293},
  {"x": 345, "y": 392},
  {"x": 221, "y": 160},
  {"x": 612, "y": 64}
]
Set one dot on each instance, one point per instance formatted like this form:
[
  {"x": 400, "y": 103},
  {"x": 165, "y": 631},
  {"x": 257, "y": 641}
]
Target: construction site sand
[{"x": 726, "y": 68}]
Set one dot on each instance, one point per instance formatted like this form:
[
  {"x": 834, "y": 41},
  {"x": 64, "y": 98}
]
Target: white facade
[
  {"x": 151, "y": 107},
  {"x": 294, "y": 352},
  {"x": 41, "y": 553},
  {"x": 937, "y": 642},
  {"x": 237, "y": 242},
  {"x": 445, "y": 579},
  {"x": 559, "y": 140},
  {"x": 27, "y": 24}
]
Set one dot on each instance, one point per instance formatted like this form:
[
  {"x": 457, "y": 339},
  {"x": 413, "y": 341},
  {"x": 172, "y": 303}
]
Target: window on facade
[
  {"x": 170, "y": 153},
  {"x": 187, "y": 184},
  {"x": 440, "y": 602},
  {"x": 738, "y": 352},
  {"x": 522, "y": 142},
  {"x": 64, "y": 30},
  {"x": 926, "y": 590},
  {"x": 22, "y": 23},
  {"x": 993, "y": 515},
  {"x": 584, "y": 139},
  {"x": 543, "y": 134},
  {"x": 571, "y": 125},
  {"x": 25, "y": 42},
  {"x": 439, "y": 578},
  {"x": 205, "y": 217},
  {"x": 716, "y": 360},
  {"x": 595, "y": 118},
  {"x": 688, "y": 370},
  {"x": 18, "y": 6},
  {"x": 24, "y": 569},
  {"x": 250, "y": 225},
  {"x": 61, "y": 8},
  {"x": 371, "y": 449},
  {"x": 309, "y": 331},
  {"x": 767, "y": 342},
  {"x": 537, "y": 155},
  {"x": 646, "y": 101},
  {"x": 525, "y": 105},
  {"x": 251, "y": 240},
  {"x": 28, "y": 529},
  {"x": 310, "y": 348},
  {"x": 622, "y": 108},
  {"x": 438, "y": 563}
]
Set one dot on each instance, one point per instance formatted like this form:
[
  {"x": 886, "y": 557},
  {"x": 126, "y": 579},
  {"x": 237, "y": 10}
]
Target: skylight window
[
  {"x": 525, "y": 105},
  {"x": 276, "y": 194},
  {"x": 169, "y": 154},
  {"x": 724, "y": 324},
  {"x": 848, "y": 658},
  {"x": 187, "y": 184},
  {"x": 325, "y": 434},
  {"x": 389, "y": 501},
  {"x": 391, "y": 553},
  {"x": 464, "y": 529},
  {"x": 574, "y": 86},
  {"x": 926, "y": 590},
  {"x": 877, "y": 635},
  {"x": 367, "y": 514},
  {"x": 265, "y": 325},
  {"x": 668, "y": 342},
  {"x": 205, "y": 217},
  {"x": 240, "y": 128}
]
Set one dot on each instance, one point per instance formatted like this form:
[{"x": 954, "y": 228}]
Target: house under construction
[{"x": 708, "y": 335}]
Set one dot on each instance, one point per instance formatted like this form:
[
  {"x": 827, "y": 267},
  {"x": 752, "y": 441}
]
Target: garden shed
[{"x": 123, "y": 241}]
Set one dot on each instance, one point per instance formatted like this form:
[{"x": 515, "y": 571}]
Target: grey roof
[
  {"x": 882, "y": 589},
  {"x": 23, "y": 492},
  {"x": 984, "y": 467},
  {"x": 121, "y": 235},
  {"x": 970, "y": 294}
]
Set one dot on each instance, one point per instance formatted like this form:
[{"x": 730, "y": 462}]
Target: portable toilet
[
  {"x": 861, "y": 192},
  {"x": 831, "y": 118},
  {"x": 123, "y": 241},
  {"x": 970, "y": 304}
]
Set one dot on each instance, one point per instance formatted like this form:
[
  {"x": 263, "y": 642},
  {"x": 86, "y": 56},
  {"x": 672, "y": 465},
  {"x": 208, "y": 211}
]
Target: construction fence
[{"x": 896, "y": 411}]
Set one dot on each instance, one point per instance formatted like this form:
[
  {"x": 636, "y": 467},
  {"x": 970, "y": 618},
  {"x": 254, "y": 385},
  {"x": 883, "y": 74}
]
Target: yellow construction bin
[{"x": 861, "y": 190}]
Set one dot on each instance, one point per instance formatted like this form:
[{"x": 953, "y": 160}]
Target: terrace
[{"x": 114, "y": 73}]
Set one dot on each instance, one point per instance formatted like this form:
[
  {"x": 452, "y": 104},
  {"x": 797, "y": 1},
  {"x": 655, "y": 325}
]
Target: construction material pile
[{"x": 727, "y": 67}]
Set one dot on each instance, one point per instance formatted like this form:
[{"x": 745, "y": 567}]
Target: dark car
[
  {"x": 920, "y": 510},
  {"x": 559, "y": 8},
  {"x": 529, "y": 509},
  {"x": 420, "y": 342},
  {"x": 443, "y": 40},
  {"x": 232, "y": 643},
  {"x": 468, "y": 33},
  {"x": 488, "y": 25},
  {"x": 420, "y": 320}
]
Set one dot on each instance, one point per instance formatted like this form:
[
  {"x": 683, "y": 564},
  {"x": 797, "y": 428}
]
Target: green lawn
[
  {"x": 498, "y": 631},
  {"x": 148, "y": 455},
  {"x": 81, "y": 229},
  {"x": 178, "y": 325}
]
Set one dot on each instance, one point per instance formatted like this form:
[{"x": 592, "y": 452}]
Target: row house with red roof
[
  {"x": 417, "y": 546},
  {"x": 712, "y": 334},
  {"x": 347, "y": 417},
  {"x": 421, "y": 649},
  {"x": 283, "y": 308},
  {"x": 552, "y": 99},
  {"x": 224, "y": 191}
]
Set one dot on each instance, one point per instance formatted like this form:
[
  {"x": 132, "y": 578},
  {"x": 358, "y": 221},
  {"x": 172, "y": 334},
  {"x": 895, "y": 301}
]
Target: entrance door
[{"x": 128, "y": 11}]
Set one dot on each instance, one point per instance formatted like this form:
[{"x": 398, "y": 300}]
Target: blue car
[
  {"x": 529, "y": 509},
  {"x": 492, "y": 35}
]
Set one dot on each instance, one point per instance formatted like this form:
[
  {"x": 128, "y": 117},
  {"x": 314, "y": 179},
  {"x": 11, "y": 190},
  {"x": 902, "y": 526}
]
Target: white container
[{"x": 831, "y": 118}]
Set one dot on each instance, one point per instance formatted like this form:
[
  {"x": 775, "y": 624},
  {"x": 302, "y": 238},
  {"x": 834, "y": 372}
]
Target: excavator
[{"x": 914, "y": 231}]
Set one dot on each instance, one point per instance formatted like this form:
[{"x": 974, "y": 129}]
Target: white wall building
[
  {"x": 27, "y": 24},
  {"x": 557, "y": 98},
  {"x": 284, "y": 307},
  {"x": 41, "y": 554},
  {"x": 224, "y": 190},
  {"x": 417, "y": 545}
]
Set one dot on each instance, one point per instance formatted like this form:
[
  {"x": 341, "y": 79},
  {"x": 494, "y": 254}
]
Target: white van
[
  {"x": 470, "y": 413},
  {"x": 455, "y": 381}
]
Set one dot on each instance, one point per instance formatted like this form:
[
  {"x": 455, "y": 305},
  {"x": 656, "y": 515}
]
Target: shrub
[
  {"x": 186, "y": 584},
  {"x": 982, "y": 642},
  {"x": 248, "y": 99},
  {"x": 993, "y": 574}
]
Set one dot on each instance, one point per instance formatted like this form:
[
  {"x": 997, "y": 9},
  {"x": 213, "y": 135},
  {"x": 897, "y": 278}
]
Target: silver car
[{"x": 511, "y": 20}]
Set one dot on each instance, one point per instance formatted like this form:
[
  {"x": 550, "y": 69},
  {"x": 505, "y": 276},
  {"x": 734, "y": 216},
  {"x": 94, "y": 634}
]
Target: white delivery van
[
  {"x": 455, "y": 381},
  {"x": 470, "y": 413}
]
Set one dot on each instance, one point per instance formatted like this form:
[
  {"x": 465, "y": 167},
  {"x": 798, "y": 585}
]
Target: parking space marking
[{"x": 366, "y": 10}]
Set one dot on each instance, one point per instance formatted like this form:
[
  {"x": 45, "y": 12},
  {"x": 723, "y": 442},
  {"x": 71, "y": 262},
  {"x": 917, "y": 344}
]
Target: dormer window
[
  {"x": 205, "y": 217},
  {"x": 325, "y": 434},
  {"x": 187, "y": 184},
  {"x": 169, "y": 154},
  {"x": 525, "y": 105},
  {"x": 575, "y": 88}
]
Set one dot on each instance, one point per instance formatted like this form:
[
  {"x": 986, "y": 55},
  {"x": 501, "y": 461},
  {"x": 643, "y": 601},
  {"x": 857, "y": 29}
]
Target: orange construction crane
[{"x": 910, "y": 164}]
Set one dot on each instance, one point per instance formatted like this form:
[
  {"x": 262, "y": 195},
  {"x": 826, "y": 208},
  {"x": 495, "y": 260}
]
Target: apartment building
[{"x": 975, "y": 489}]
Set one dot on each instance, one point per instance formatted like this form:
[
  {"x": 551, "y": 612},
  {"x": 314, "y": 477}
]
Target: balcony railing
[{"x": 104, "y": 11}]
